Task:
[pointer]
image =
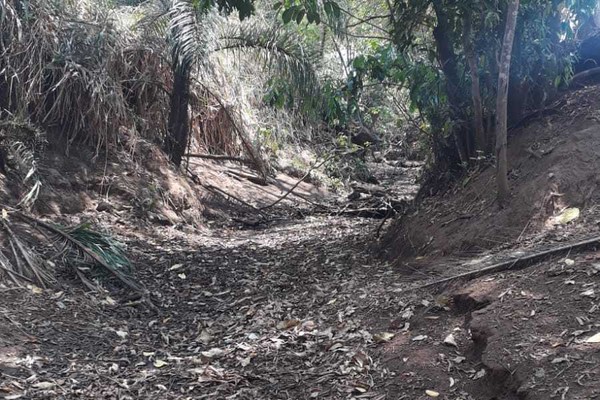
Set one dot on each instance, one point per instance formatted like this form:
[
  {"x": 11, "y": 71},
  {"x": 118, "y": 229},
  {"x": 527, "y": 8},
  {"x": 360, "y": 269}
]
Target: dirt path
[
  {"x": 302, "y": 310},
  {"x": 250, "y": 314}
]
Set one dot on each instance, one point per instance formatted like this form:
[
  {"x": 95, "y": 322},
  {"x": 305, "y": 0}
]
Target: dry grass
[{"x": 73, "y": 72}]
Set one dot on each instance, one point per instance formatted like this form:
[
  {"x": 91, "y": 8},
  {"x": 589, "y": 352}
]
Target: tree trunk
[
  {"x": 178, "y": 126},
  {"x": 518, "y": 99},
  {"x": 502, "y": 102},
  {"x": 480, "y": 140},
  {"x": 442, "y": 34}
]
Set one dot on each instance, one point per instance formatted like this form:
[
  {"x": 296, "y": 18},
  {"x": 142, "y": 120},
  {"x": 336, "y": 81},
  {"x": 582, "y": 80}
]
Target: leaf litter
[{"x": 258, "y": 315}]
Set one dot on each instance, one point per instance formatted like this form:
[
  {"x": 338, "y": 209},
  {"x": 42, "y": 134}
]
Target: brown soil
[
  {"x": 553, "y": 164},
  {"x": 143, "y": 187},
  {"x": 301, "y": 310},
  {"x": 296, "y": 306},
  {"x": 518, "y": 335}
]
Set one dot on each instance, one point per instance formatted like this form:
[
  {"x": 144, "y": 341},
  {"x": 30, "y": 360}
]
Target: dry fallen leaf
[
  {"x": 121, "y": 334},
  {"x": 570, "y": 214},
  {"x": 309, "y": 326},
  {"x": 244, "y": 362},
  {"x": 288, "y": 324},
  {"x": 14, "y": 396},
  {"x": 213, "y": 353},
  {"x": 160, "y": 363},
  {"x": 35, "y": 290},
  {"x": 205, "y": 337},
  {"x": 458, "y": 359},
  {"x": 44, "y": 385},
  {"x": 594, "y": 339},
  {"x": 383, "y": 337},
  {"x": 432, "y": 393},
  {"x": 479, "y": 374},
  {"x": 588, "y": 293},
  {"x": 419, "y": 338}
]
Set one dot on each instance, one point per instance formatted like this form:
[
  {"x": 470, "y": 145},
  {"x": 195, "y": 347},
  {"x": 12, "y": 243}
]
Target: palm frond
[
  {"x": 26, "y": 264},
  {"x": 24, "y": 158},
  {"x": 183, "y": 33},
  {"x": 103, "y": 245},
  {"x": 279, "y": 49},
  {"x": 84, "y": 250}
]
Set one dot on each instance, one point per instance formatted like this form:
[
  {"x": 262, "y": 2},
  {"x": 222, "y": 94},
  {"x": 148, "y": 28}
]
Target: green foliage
[
  {"x": 269, "y": 141},
  {"x": 432, "y": 63},
  {"x": 333, "y": 110},
  {"x": 311, "y": 10},
  {"x": 290, "y": 60},
  {"x": 245, "y": 8},
  {"x": 103, "y": 245}
]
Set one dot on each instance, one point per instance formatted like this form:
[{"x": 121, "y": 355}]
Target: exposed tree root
[{"x": 515, "y": 264}]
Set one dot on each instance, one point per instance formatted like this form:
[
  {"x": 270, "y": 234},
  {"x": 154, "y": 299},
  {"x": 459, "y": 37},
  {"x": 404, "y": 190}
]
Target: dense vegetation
[{"x": 97, "y": 72}]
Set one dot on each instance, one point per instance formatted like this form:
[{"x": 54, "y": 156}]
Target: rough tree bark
[
  {"x": 178, "y": 125},
  {"x": 472, "y": 59},
  {"x": 502, "y": 102},
  {"x": 442, "y": 34}
]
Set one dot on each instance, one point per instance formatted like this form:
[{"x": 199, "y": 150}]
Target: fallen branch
[
  {"x": 311, "y": 169},
  {"x": 219, "y": 158},
  {"x": 515, "y": 264},
  {"x": 259, "y": 180},
  {"x": 224, "y": 193},
  {"x": 590, "y": 73}
]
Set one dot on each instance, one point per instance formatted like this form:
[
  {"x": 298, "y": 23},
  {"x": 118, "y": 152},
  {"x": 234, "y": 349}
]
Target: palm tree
[
  {"x": 192, "y": 35},
  {"x": 184, "y": 18}
]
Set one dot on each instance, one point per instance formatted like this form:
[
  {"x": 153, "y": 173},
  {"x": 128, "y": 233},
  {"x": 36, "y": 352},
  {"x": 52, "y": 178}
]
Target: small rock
[
  {"x": 450, "y": 341},
  {"x": 104, "y": 206}
]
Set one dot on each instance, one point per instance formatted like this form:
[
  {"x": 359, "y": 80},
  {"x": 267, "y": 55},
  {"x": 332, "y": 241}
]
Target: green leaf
[
  {"x": 300, "y": 16},
  {"x": 277, "y": 5},
  {"x": 317, "y": 18},
  {"x": 288, "y": 14},
  {"x": 336, "y": 9},
  {"x": 359, "y": 63}
]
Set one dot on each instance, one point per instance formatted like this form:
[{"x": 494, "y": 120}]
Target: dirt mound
[
  {"x": 140, "y": 185},
  {"x": 553, "y": 165},
  {"x": 518, "y": 335}
]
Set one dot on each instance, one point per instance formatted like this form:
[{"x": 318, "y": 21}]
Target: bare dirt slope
[{"x": 553, "y": 165}]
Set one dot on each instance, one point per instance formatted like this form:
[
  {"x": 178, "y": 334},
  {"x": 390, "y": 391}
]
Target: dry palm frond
[
  {"x": 27, "y": 263},
  {"x": 81, "y": 248},
  {"x": 24, "y": 144},
  {"x": 26, "y": 163},
  {"x": 71, "y": 69}
]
